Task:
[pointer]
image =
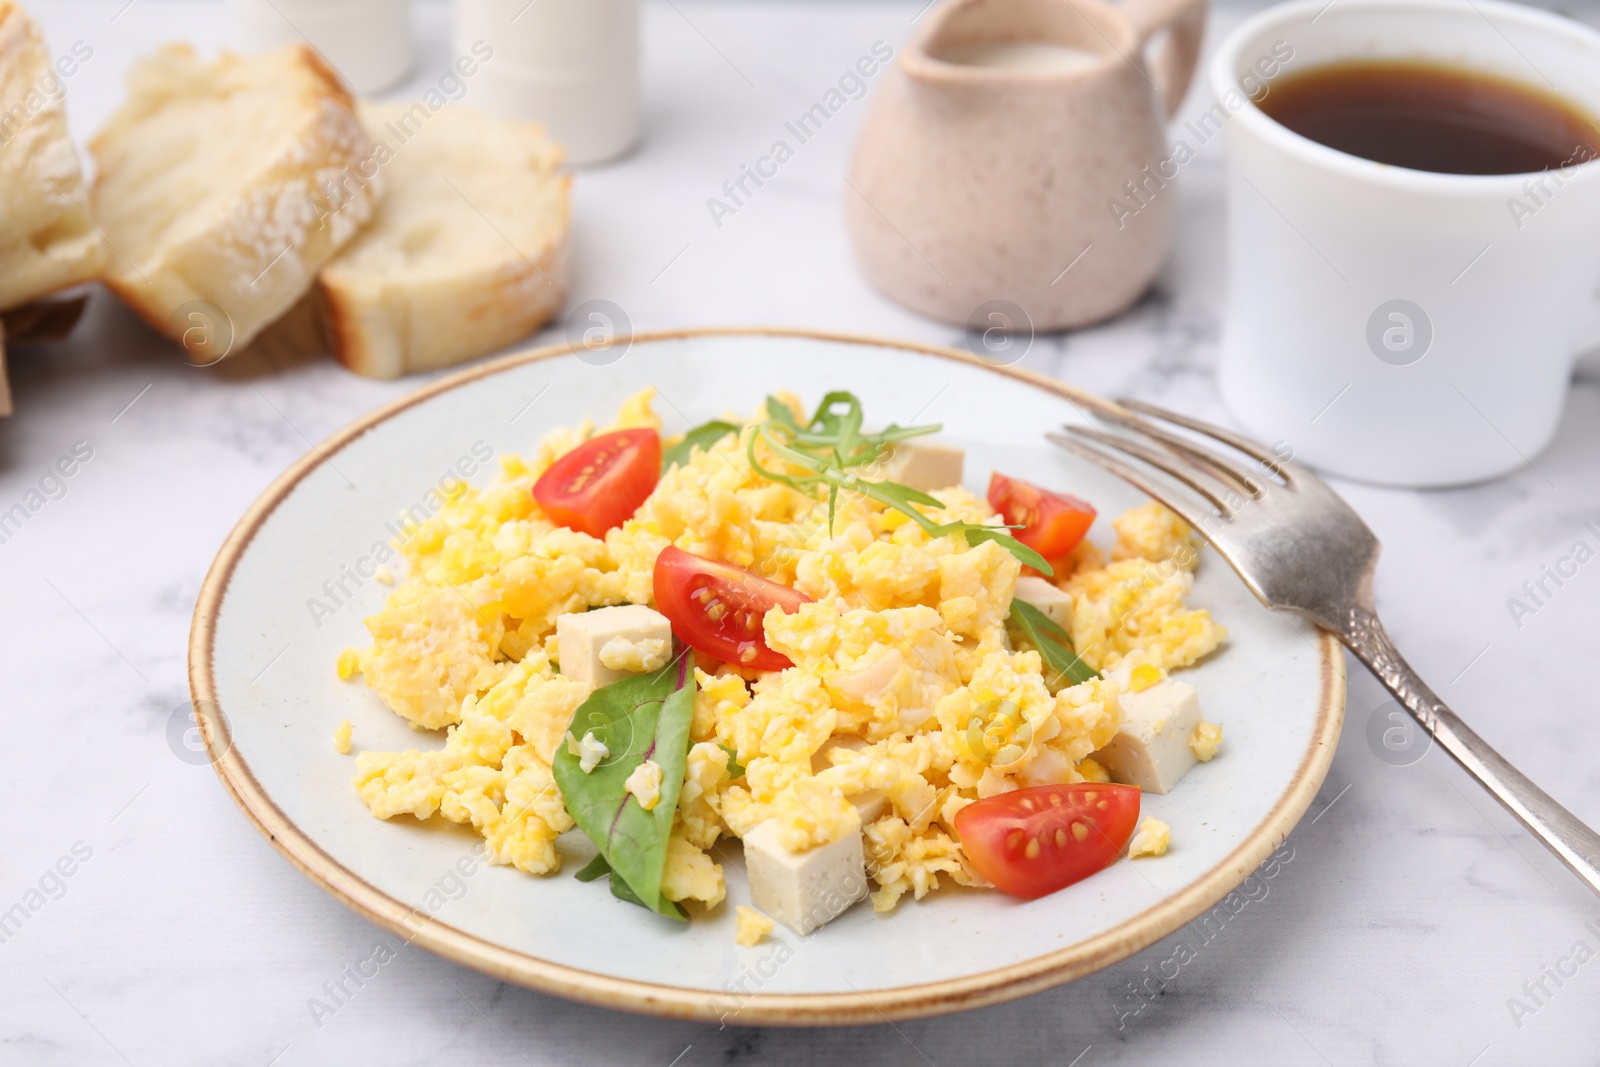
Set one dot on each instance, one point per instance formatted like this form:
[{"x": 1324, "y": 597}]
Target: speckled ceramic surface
[
  {"x": 262, "y": 665},
  {"x": 1044, "y": 189}
]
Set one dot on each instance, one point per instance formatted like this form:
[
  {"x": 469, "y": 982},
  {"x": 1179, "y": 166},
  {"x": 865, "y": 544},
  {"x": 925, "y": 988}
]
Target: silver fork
[{"x": 1301, "y": 548}]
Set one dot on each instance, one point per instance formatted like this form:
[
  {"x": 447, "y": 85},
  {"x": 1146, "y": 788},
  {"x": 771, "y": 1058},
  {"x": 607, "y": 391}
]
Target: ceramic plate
[{"x": 1277, "y": 687}]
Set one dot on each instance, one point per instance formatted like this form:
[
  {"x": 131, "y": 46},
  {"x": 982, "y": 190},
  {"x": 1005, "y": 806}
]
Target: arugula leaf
[
  {"x": 1053, "y": 643},
  {"x": 1026, "y": 555},
  {"x": 735, "y": 768},
  {"x": 703, "y": 436},
  {"x": 778, "y": 411},
  {"x": 896, "y": 495},
  {"x": 1037, "y": 622},
  {"x": 641, "y": 717},
  {"x": 832, "y": 443}
]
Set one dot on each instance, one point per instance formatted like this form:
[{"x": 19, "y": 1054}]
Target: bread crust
[
  {"x": 253, "y": 251},
  {"x": 384, "y": 324},
  {"x": 388, "y": 330}
]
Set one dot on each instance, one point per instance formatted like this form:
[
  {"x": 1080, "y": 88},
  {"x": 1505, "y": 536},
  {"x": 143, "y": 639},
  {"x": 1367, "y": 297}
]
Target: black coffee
[{"x": 1430, "y": 117}]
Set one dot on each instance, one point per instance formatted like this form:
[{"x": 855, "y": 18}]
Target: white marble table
[{"x": 1411, "y": 913}]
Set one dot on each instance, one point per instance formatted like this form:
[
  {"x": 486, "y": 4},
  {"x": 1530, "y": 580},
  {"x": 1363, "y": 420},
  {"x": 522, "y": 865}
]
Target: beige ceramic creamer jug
[{"x": 991, "y": 162}]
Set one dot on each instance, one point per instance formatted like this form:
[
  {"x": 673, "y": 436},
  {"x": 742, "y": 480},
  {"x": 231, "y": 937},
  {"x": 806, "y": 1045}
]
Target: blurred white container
[
  {"x": 572, "y": 65},
  {"x": 369, "y": 42}
]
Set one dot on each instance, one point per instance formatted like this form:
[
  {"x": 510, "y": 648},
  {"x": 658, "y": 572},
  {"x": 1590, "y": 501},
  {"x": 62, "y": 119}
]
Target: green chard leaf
[
  {"x": 703, "y": 436},
  {"x": 622, "y": 891},
  {"x": 598, "y": 868},
  {"x": 641, "y": 717},
  {"x": 595, "y": 868},
  {"x": 1054, "y": 645}
]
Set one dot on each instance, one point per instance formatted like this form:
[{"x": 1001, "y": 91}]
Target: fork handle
[{"x": 1562, "y": 832}]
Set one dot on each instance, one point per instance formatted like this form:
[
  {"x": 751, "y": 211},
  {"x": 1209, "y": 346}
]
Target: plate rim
[{"x": 977, "y": 990}]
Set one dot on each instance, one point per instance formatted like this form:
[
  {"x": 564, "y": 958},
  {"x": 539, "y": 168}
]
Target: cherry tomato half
[
  {"x": 717, "y": 608},
  {"x": 600, "y": 484},
  {"x": 1052, "y": 523},
  {"x": 1034, "y": 841}
]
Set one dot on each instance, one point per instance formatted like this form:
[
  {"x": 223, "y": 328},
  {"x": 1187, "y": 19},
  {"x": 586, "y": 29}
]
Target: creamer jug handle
[{"x": 1172, "y": 67}]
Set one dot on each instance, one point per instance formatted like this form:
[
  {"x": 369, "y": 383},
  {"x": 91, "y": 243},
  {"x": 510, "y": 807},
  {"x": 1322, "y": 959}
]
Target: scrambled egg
[
  {"x": 904, "y": 649},
  {"x": 640, "y": 657},
  {"x": 1151, "y": 839},
  {"x": 645, "y": 784},
  {"x": 591, "y": 752},
  {"x": 1204, "y": 741},
  {"x": 751, "y": 927}
]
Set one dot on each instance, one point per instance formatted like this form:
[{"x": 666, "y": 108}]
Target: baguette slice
[
  {"x": 230, "y": 182},
  {"x": 46, "y": 241},
  {"x": 468, "y": 252}
]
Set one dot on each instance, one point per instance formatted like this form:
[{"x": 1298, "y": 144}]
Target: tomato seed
[
  {"x": 716, "y": 610},
  {"x": 1080, "y": 831},
  {"x": 1055, "y": 800},
  {"x": 1013, "y": 839},
  {"x": 1061, "y": 838},
  {"x": 1032, "y": 851},
  {"x": 747, "y": 654}
]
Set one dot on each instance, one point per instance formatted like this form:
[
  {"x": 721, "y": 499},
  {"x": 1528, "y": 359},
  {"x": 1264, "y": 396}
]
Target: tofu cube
[
  {"x": 1056, "y": 605},
  {"x": 803, "y": 890},
  {"x": 631, "y": 635},
  {"x": 871, "y": 804},
  {"x": 923, "y": 466},
  {"x": 1151, "y": 749}
]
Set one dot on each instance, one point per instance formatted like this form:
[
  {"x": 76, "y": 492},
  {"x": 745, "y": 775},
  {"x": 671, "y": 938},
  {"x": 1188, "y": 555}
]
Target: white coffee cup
[{"x": 1392, "y": 325}]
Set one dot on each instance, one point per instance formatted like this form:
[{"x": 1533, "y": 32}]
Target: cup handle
[{"x": 1173, "y": 65}]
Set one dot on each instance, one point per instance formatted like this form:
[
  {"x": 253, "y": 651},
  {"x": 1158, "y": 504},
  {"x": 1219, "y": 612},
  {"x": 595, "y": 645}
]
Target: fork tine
[
  {"x": 1207, "y": 460},
  {"x": 1254, "y": 450},
  {"x": 1161, "y": 460},
  {"x": 1132, "y": 475}
]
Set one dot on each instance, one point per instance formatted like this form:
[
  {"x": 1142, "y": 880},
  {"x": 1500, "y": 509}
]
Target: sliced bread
[
  {"x": 46, "y": 240},
  {"x": 468, "y": 251},
  {"x": 229, "y": 182}
]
